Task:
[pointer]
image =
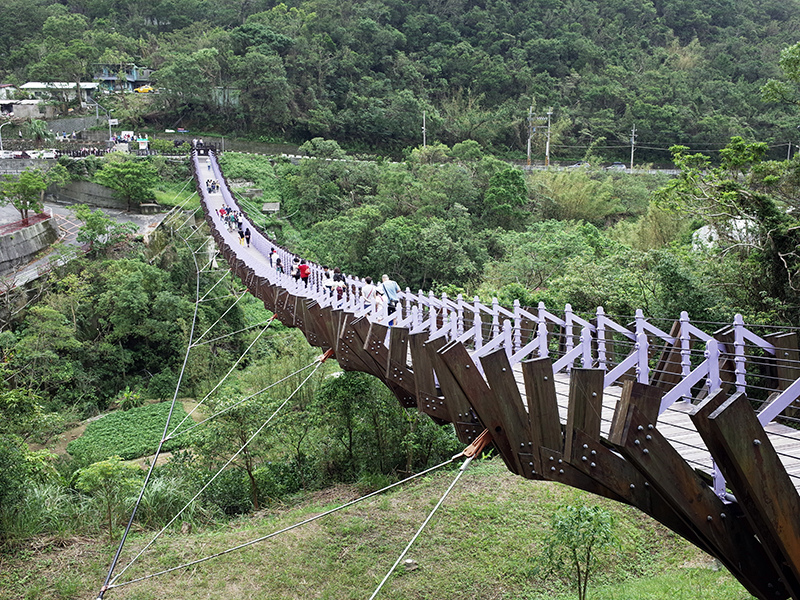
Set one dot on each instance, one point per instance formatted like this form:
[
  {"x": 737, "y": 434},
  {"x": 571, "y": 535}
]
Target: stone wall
[
  {"x": 19, "y": 246},
  {"x": 15, "y": 166},
  {"x": 85, "y": 192}
]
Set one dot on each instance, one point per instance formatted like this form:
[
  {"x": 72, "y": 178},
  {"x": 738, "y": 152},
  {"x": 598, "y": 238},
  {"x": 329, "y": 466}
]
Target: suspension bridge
[
  {"x": 697, "y": 429},
  {"x": 695, "y": 424}
]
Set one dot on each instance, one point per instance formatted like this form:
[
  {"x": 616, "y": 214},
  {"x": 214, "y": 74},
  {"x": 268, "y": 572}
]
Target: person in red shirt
[{"x": 305, "y": 271}]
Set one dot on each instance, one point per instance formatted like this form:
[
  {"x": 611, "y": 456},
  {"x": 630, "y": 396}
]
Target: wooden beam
[
  {"x": 503, "y": 407},
  {"x": 474, "y": 393},
  {"x": 557, "y": 468},
  {"x": 585, "y": 405},
  {"x": 429, "y": 400},
  {"x": 717, "y": 523},
  {"x": 667, "y": 373},
  {"x": 753, "y": 470},
  {"x": 543, "y": 419},
  {"x": 646, "y": 398}
]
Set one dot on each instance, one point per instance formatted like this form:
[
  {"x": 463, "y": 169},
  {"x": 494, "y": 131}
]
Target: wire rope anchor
[{"x": 329, "y": 353}]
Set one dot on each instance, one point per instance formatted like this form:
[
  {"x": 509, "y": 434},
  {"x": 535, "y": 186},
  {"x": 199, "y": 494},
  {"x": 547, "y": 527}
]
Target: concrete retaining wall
[
  {"x": 86, "y": 192},
  {"x": 15, "y": 166},
  {"x": 19, "y": 246}
]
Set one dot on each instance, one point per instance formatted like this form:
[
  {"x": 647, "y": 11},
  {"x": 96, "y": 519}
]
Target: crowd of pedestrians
[{"x": 375, "y": 296}]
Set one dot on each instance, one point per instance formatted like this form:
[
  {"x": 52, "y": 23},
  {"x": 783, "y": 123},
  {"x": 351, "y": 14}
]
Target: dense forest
[{"x": 364, "y": 73}]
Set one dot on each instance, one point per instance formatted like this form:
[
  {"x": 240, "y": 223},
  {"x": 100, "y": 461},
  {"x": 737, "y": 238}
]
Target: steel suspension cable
[
  {"x": 231, "y": 370},
  {"x": 115, "y": 560},
  {"x": 221, "y": 469},
  {"x": 290, "y": 527},
  {"x": 461, "y": 471},
  {"x": 245, "y": 399},
  {"x": 227, "y": 335}
]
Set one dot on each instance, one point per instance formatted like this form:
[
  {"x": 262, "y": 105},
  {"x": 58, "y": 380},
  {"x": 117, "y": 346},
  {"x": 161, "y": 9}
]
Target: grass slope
[{"x": 483, "y": 544}]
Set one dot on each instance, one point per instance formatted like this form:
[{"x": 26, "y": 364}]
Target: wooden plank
[
  {"x": 429, "y": 400},
  {"x": 459, "y": 409},
  {"x": 543, "y": 419},
  {"x": 398, "y": 349},
  {"x": 647, "y": 398},
  {"x": 787, "y": 366},
  {"x": 585, "y": 406},
  {"x": 502, "y": 411},
  {"x": 479, "y": 396},
  {"x": 403, "y": 385},
  {"x": 759, "y": 481},
  {"x": 718, "y": 524}
]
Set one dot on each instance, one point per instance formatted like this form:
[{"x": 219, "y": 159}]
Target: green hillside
[{"x": 364, "y": 73}]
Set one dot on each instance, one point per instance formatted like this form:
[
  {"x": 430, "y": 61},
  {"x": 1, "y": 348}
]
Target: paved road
[{"x": 68, "y": 227}]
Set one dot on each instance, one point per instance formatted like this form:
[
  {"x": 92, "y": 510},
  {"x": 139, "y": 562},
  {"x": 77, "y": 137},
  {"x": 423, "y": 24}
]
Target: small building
[
  {"x": 57, "y": 90},
  {"x": 271, "y": 208},
  {"x": 125, "y": 77},
  {"x": 26, "y": 109}
]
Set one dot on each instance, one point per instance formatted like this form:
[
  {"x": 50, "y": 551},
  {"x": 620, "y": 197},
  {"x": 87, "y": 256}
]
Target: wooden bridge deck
[{"x": 627, "y": 443}]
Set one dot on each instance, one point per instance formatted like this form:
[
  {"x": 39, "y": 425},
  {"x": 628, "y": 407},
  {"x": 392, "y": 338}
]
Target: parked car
[
  {"x": 145, "y": 89},
  {"x": 579, "y": 164},
  {"x": 21, "y": 154},
  {"x": 49, "y": 153},
  {"x": 617, "y": 166},
  {"x": 6, "y": 154}
]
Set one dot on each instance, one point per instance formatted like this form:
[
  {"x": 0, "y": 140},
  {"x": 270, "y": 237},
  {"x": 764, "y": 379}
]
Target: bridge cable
[
  {"x": 221, "y": 469},
  {"x": 115, "y": 560},
  {"x": 231, "y": 370},
  {"x": 479, "y": 444},
  {"x": 245, "y": 399},
  {"x": 466, "y": 452},
  {"x": 227, "y": 335}
]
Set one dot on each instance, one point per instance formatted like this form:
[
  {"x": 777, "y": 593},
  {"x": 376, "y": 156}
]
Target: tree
[
  {"x": 26, "y": 192},
  {"x": 786, "y": 90},
  {"x": 506, "y": 195},
  {"x": 133, "y": 180},
  {"x": 111, "y": 482},
  {"x": 99, "y": 231},
  {"x": 39, "y": 131},
  {"x": 577, "y": 534},
  {"x": 749, "y": 203}
]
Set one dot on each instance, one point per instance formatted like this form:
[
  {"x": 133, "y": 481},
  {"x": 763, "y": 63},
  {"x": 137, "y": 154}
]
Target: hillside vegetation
[{"x": 364, "y": 73}]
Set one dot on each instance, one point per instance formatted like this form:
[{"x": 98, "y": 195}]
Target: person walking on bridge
[
  {"x": 390, "y": 291},
  {"x": 305, "y": 272}
]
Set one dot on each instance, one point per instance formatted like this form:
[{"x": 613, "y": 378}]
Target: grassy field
[
  {"x": 484, "y": 543},
  {"x": 128, "y": 434},
  {"x": 177, "y": 194}
]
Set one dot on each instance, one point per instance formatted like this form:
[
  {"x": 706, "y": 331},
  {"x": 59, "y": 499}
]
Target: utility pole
[
  {"x": 547, "y": 145},
  {"x": 530, "y": 134},
  {"x": 633, "y": 143},
  {"x": 424, "y": 132}
]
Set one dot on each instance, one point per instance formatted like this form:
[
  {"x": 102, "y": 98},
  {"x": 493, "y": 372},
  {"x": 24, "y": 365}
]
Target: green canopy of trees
[{"x": 363, "y": 74}]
